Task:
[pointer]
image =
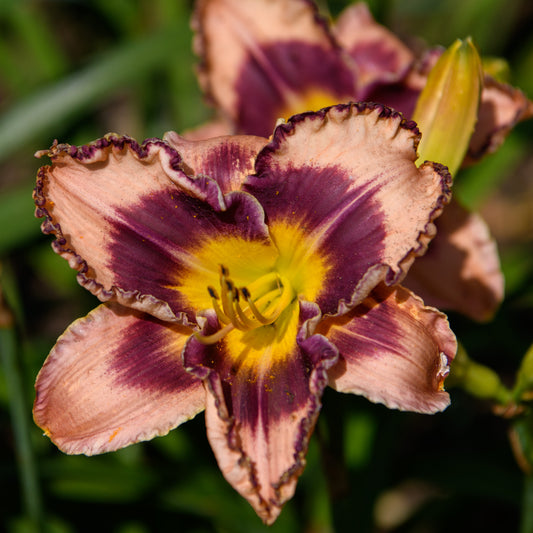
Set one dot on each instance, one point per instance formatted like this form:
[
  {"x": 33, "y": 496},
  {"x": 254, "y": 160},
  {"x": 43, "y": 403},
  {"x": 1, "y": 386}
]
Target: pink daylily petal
[
  {"x": 379, "y": 56},
  {"x": 114, "y": 378},
  {"x": 393, "y": 350},
  {"x": 214, "y": 128},
  {"x": 260, "y": 59},
  {"x": 259, "y": 417},
  {"x": 227, "y": 160},
  {"x": 501, "y": 108},
  {"x": 129, "y": 220},
  {"x": 461, "y": 269},
  {"x": 347, "y": 177},
  {"x": 404, "y": 94}
]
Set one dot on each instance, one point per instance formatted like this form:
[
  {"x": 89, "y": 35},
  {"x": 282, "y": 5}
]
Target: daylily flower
[
  {"x": 266, "y": 59},
  {"x": 242, "y": 276}
]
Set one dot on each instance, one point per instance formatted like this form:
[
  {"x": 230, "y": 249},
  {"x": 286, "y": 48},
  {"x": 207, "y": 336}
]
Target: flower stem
[
  {"x": 526, "y": 525},
  {"x": 477, "y": 379}
]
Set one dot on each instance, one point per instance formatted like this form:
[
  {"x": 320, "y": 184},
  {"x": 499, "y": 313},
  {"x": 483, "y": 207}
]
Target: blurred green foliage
[{"x": 74, "y": 70}]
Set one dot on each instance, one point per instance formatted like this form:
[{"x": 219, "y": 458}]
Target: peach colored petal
[
  {"x": 379, "y": 56},
  {"x": 228, "y": 159},
  {"x": 461, "y": 270},
  {"x": 502, "y": 108},
  {"x": 215, "y": 128},
  {"x": 265, "y": 59},
  {"x": 114, "y": 378},
  {"x": 260, "y": 414},
  {"x": 393, "y": 350},
  {"x": 364, "y": 204},
  {"x": 129, "y": 220},
  {"x": 84, "y": 187}
]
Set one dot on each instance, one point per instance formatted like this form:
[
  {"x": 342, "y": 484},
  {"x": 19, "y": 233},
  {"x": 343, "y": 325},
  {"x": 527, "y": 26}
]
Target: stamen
[
  {"x": 222, "y": 318},
  {"x": 215, "y": 337},
  {"x": 264, "y": 283},
  {"x": 273, "y": 295},
  {"x": 227, "y": 288},
  {"x": 248, "y": 322},
  {"x": 268, "y": 316},
  {"x": 286, "y": 297},
  {"x": 232, "y": 299},
  {"x": 253, "y": 308}
]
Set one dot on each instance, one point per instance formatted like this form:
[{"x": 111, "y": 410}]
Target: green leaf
[
  {"x": 16, "y": 218},
  {"x": 43, "y": 111}
]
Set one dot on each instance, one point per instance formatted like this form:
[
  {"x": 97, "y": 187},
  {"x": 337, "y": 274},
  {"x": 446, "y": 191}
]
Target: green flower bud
[
  {"x": 524, "y": 379},
  {"x": 446, "y": 110}
]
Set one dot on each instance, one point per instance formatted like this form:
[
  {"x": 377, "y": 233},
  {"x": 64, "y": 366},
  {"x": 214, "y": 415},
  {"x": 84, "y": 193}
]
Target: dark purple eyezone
[{"x": 283, "y": 69}]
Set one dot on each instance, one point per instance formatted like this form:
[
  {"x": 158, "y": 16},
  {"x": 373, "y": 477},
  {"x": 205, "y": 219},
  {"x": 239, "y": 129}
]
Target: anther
[
  {"x": 262, "y": 319},
  {"x": 248, "y": 322},
  {"x": 233, "y": 306},
  {"x": 222, "y": 317},
  {"x": 273, "y": 293}
]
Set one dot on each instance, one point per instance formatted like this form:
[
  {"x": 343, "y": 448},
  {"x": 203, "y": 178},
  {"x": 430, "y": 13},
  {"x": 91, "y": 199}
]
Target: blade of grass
[
  {"x": 43, "y": 111},
  {"x": 527, "y": 506},
  {"x": 16, "y": 218},
  {"x": 11, "y": 75},
  {"x": 38, "y": 41},
  {"x": 19, "y": 413}
]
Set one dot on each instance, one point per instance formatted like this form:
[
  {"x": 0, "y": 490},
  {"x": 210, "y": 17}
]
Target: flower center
[
  {"x": 312, "y": 100},
  {"x": 247, "y": 308}
]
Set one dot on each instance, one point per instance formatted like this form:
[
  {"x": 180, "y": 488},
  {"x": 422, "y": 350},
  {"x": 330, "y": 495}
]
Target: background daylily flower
[
  {"x": 268, "y": 59},
  {"x": 236, "y": 282}
]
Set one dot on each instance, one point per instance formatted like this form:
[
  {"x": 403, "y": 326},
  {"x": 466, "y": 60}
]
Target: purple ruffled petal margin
[
  {"x": 259, "y": 420},
  {"x": 114, "y": 378},
  {"x": 346, "y": 175},
  {"x": 75, "y": 205},
  {"x": 127, "y": 217}
]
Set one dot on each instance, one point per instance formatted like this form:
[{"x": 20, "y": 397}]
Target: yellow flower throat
[
  {"x": 247, "y": 308},
  {"x": 254, "y": 288}
]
